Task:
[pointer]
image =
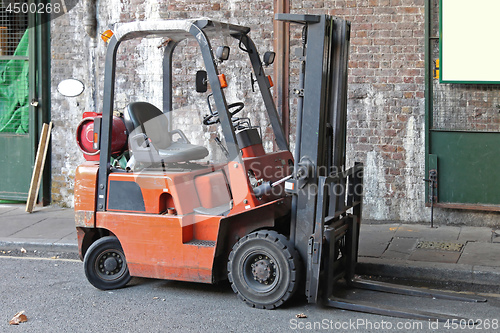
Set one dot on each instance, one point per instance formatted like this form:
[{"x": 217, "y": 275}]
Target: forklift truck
[{"x": 272, "y": 224}]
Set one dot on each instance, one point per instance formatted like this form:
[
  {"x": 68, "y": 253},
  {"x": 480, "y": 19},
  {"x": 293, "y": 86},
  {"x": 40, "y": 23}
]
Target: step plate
[{"x": 198, "y": 242}]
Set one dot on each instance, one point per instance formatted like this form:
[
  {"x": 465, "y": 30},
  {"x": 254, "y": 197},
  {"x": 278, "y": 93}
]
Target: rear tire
[
  {"x": 105, "y": 265},
  {"x": 264, "y": 269}
]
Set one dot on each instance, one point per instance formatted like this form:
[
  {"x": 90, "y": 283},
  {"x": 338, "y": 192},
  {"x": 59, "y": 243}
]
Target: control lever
[{"x": 265, "y": 188}]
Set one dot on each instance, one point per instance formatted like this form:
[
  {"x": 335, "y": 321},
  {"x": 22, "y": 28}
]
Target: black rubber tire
[
  {"x": 105, "y": 264},
  {"x": 260, "y": 257}
]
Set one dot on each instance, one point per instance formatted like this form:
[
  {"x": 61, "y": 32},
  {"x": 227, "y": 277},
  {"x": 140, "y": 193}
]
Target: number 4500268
[
  {"x": 478, "y": 324},
  {"x": 33, "y": 8}
]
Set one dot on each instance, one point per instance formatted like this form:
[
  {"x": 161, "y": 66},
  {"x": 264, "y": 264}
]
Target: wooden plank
[{"x": 41, "y": 155}]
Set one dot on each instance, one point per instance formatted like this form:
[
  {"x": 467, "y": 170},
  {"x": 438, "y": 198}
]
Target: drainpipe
[
  {"x": 90, "y": 26},
  {"x": 281, "y": 67},
  {"x": 90, "y": 19}
]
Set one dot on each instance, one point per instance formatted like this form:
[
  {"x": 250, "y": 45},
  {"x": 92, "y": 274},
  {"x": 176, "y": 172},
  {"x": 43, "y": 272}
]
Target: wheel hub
[
  {"x": 263, "y": 270},
  {"x": 110, "y": 263}
]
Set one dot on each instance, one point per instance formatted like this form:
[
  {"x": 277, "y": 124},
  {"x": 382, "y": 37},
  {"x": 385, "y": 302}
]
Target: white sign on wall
[{"x": 470, "y": 41}]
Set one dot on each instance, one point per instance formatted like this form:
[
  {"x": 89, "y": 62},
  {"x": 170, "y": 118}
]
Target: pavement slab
[
  {"x": 450, "y": 257},
  {"x": 476, "y": 253},
  {"x": 10, "y": 226},
  {"x": 375, "y": 239},
  {"x": 58, "y": 227},
  {"x": 475, "y": 234},
  {"x": 46, "y": 225},
  {"x": 400, "y": 248},
  {"x": 428, "y": 233}
]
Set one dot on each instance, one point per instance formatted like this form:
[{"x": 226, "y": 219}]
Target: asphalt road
[{"x": 56, "y": 297}]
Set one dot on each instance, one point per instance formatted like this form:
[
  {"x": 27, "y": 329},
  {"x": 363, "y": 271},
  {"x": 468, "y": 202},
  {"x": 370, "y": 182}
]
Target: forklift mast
[{"x": 323, "y": 190}]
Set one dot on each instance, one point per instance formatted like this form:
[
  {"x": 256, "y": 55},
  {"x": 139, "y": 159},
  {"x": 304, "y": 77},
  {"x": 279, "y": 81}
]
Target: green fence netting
[{"x": 14, "y": 100}]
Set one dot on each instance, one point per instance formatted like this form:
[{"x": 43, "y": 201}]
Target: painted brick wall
[
  {"x": 76, "y": 55},
  {"x": 386, "y": 87},
  {"x": 70, "y": 49},
  {"x": 386, "y": 101}
]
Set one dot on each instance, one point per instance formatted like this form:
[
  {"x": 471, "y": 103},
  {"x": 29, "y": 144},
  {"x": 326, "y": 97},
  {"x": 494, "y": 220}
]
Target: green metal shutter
[
  {"x": 16, "y": 141},
  {"x": 14, "y": 71}
]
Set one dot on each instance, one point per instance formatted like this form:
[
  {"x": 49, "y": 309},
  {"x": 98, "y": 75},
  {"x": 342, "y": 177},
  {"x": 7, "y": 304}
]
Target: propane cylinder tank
[{"x": 85, "y": 136}]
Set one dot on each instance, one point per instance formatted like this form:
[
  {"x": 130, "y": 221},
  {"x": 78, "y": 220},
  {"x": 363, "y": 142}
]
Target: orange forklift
[{"x": 200, "y": 199}]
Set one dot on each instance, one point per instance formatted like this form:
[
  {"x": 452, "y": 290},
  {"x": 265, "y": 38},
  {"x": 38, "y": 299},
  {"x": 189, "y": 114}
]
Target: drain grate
[{"x": 441, "y": 246}]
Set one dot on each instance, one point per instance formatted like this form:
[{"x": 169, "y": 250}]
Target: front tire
[
  {"x": 105, "y": 265},
  {"x": 264, "y": 269}
]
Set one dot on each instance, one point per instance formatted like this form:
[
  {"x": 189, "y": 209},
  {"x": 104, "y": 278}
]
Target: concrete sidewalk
[
  {"x": 468, "y": 255},
  {"x": 448, "y": 254},
  {"x": 47, "y": 228}
]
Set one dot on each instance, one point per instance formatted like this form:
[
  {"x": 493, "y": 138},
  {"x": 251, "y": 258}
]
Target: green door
[
  {"x": 16, "y": 114},
  {"x": 467, "y": 165}
]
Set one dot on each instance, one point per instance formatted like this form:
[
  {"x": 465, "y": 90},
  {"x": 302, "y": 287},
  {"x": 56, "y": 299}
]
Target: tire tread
[{"x": 289, "y": 253}]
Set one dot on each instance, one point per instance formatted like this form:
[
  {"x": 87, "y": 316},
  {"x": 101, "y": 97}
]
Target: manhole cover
[{"x": 441, "y": 246}]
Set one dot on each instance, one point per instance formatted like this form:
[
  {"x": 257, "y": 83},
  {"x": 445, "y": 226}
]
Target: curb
[
  {"x": 39, "y": 246},
  {"x": 430, "y": 271}
]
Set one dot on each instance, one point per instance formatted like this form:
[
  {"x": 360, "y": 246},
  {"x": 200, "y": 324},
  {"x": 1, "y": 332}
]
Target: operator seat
[{"x": 151, "y": 142}]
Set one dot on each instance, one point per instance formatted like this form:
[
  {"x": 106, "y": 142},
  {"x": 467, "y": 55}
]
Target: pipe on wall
[
  {"x": 90, "y": 19},
  {"x": 281, "y": 68}
]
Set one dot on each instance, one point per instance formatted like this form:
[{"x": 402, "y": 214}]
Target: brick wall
[
  {"x": 386, "y": 92},
  {"x": 69, "y": 59},
  {"x": 386, "y": 101},
  {"x": 76, "y": 55}
]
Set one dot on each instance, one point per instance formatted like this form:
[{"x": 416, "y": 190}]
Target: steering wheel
[{"x": 211, "y": 119}]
